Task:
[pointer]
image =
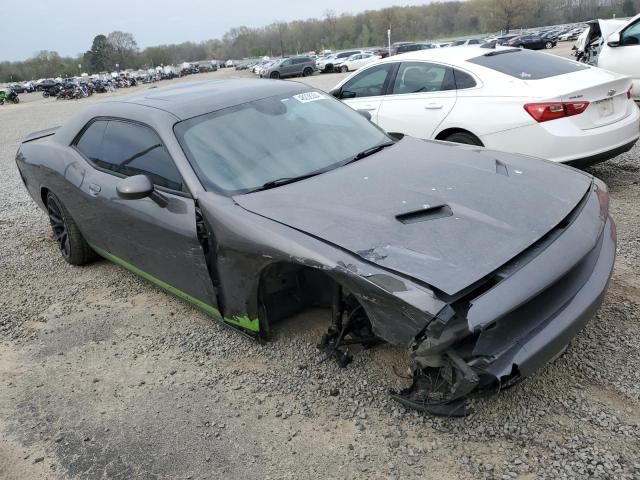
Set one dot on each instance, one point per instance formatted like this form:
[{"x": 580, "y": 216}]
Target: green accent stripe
[{"x": 241, "y": 321}]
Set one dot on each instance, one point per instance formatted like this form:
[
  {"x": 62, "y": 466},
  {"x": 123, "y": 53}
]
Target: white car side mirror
[{"x": 614, "y": 40}]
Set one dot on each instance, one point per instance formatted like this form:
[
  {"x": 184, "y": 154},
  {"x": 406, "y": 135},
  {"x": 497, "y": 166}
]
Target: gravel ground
[{"x": 102, "y": 375}]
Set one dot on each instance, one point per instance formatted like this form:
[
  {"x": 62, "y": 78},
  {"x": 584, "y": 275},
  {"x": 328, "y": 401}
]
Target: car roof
[
  {"x": 191, "y": 99},
  {"x": 448, "y": 55}
]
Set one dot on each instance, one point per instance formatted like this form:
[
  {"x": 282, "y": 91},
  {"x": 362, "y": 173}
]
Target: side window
[
  {"x": 286, "y": 63},
  {"x": 131, "y": 149},
  {"x": 90, "y": 143},
  {"x": 369, "y": 83},
  {"x": 420, "y": 77},
  {"x": 474, "y": 42},
  {"x": 463, "y": 80},
  {"x": 631, "y": 36}
]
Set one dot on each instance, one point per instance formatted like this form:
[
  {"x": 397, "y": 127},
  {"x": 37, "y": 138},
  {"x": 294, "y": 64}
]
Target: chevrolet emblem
[{"x": 611, "y": 93}]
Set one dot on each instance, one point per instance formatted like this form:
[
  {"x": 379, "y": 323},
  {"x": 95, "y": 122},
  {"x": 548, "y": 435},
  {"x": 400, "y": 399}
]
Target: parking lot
[{"x": 103, "y": 375}]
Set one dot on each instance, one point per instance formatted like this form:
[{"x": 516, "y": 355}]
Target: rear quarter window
[{"x": 527, "y": 65}]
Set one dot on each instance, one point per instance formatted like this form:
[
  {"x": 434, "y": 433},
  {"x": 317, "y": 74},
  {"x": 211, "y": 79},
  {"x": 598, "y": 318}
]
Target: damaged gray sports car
[{"x": 255, "y": 200}]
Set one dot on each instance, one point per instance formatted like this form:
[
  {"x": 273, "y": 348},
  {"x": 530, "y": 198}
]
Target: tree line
[{"x": 438, "y": 20}]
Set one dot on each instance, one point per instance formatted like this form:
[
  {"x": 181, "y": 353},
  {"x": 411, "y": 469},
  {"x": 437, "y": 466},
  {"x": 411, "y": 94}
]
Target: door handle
[
  {"x": 368, "y": 108},
  {"x": 94, "y": 189},
  {"x": 433, "y": 106}
]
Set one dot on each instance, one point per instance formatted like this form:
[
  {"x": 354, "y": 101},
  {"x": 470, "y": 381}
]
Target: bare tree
[
  {"x": 281, "y": 28},
  {"x": 124, "y": 46}
]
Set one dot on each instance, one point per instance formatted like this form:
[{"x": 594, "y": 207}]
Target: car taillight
[
  {"x": 630, "y": 92},
  {"x": 543, "y": 112}
]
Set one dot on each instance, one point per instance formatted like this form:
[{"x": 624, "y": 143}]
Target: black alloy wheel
[
  {"x": 58, "y": 225},
  {"x": 73, "y": 247}
]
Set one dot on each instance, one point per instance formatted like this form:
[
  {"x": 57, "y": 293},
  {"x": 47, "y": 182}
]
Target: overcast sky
[{"x": 68, "y": 27}]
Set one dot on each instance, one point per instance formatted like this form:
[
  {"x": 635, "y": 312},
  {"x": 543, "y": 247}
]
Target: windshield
[{"x": 240, "y": 148}]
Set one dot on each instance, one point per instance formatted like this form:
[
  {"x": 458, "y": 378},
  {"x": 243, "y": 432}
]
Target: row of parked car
[
  {"x": 351, "y": 60},
  {"x": 48, "y": 85}
]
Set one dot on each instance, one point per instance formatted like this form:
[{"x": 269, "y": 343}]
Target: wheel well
[
  {"x": 286, "y": 289},
  {"x": 43, "y": 194},
  {"x": 450, "y": 131}
]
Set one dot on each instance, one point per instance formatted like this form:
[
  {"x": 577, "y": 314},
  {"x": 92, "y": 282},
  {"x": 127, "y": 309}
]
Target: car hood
[{"x": 444, "y": 214}]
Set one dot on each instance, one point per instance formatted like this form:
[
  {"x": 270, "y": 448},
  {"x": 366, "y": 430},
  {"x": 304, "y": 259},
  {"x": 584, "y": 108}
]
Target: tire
[
  {"x": 344, "y": 69},
  {"x": 45, "y": 94},
  {"x": 307, "y": 72},
  {"x": 73, "y": 247},
  {"x": 16, "y": 100},
  {"x": 274, "y": 75},
  {"x": 521, "y": 45},
  {"x": 548, "y": 45},
  {"x": 465, "y": 138}
]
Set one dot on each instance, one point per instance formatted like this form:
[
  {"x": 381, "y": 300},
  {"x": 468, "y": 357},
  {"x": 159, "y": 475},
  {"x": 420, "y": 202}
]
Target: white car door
[
  {"x": 365, "y": 90},
  {"x": 422, "y": 95},
  {"x": 625, "y": 57},
  {"x": 353, "y": 63},
  {"x": 365, "y": 59}
]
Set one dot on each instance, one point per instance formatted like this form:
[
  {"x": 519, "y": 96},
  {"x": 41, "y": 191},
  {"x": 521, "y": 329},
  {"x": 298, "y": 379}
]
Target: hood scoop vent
[{"x": 425, "y": 214}]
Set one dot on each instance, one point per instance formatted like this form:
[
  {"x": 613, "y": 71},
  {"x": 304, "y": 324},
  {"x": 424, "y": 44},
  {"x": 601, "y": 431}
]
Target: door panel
[
  {"x": 369, "y": 104},
  {"x": 422, "y": 97},
  {"x": 366, "y": 89},
  {"x": 160, "y": 241}
]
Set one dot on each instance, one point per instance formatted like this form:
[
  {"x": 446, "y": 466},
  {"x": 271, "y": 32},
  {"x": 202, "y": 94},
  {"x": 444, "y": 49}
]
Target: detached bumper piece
[{"x": 441, "y": 391}]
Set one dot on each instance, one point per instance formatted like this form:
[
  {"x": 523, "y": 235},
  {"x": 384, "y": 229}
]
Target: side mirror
[
  {"x": 335, "y": 92},
  {"x": 347, "y": 94},
  {"x": 135, "y": 188},
  {"x": 614, "y": 40},
  {"x": 365, "y": 114}
]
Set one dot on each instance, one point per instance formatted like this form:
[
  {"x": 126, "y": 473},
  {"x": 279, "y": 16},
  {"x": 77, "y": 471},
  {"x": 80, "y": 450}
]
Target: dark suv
[
  {"x": 291, "y": 67},
  {"x": 409, "y": 47}
]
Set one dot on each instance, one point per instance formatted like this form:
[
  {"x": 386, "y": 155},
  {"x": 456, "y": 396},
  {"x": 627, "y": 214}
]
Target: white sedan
[
  {"x": 354, "y": 62},
  {"x": 506, "y": 99}
]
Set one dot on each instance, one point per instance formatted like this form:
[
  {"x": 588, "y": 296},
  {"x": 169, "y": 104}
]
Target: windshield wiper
[
  {"x": 286, "y": 180},
  {"x": 283, "y": 181},
  {"x": 369, "y": 151}
]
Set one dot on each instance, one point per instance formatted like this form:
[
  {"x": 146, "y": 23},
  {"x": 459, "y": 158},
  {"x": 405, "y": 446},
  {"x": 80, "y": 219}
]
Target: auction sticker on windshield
[{"x": 308, "y": 97}]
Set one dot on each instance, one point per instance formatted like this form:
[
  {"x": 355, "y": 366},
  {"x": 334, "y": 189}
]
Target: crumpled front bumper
[
  {"x": 553, "y": 335},
  {"x": 539, "y": 302}
]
